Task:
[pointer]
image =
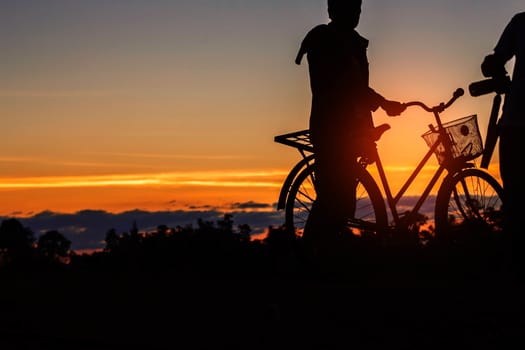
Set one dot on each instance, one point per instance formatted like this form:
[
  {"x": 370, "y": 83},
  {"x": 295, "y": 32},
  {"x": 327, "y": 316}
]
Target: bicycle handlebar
[{"x": 441, "y": 107}]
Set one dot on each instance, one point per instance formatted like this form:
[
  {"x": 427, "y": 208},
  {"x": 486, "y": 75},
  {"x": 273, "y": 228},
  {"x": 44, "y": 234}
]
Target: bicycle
[{"x": 466, "y": 194}]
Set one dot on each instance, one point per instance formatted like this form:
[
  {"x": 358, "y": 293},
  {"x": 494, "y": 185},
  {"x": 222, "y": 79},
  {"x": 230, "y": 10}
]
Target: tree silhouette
[
  {"x": 220, "y": 248},
  {"x": 54, "y": 246},
  {"x": 244, "y": 232},
  {"x": 226, "y": 224},
  {"x": 112, "y": 240},
  {"x": 16, "y": 241},
  {"x": 162, "y": 231}
]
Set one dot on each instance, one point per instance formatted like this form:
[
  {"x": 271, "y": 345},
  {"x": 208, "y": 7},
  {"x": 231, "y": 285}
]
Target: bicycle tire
[
  {"x": 471, "y": 198},
  {"x": 370, "y": 218}
]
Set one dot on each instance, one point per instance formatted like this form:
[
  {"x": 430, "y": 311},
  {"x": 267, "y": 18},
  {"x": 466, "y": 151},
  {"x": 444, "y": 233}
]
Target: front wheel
[
  {"x": 370, "y": 214},
  {"x": 468, "y": 201}
]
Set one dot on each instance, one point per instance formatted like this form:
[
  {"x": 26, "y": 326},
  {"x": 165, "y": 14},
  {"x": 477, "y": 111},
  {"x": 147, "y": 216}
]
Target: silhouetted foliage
[
  {"x": 54, "y": 246},
  {"x": 112, "y": 240},
  {"x": 280, "y": 239},
  {"x": 215, "y": 269},
  {"x": 16, "y": 241},
  {"x": 244, "y": 232},
  {"x": 221, "y": 249}
]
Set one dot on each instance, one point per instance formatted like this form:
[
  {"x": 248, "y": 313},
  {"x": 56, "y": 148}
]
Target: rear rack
[{"x": 298, "y": 139}]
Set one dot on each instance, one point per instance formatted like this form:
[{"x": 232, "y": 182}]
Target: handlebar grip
[{"x": 458, "y": 93}]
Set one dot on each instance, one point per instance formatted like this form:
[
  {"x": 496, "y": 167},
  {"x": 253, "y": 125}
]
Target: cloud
[
  {"x": 408, "y": 203},
  {"x": 251, "y": 205}
]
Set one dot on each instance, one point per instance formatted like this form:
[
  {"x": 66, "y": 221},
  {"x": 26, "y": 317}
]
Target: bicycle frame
[
  {"x": 394, "y": 200},
  {"x": 450, "y": 164}
]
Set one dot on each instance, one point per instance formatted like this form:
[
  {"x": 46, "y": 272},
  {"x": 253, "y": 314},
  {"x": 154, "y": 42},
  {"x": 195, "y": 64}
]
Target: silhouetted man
[
  {"x": 512, "y": 130},
  {"x": 341, "y": 118}
]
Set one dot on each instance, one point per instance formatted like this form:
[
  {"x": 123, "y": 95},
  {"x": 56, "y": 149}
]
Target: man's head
[{"x": 345, "y": 12}]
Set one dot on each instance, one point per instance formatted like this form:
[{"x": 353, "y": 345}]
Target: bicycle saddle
[{"x": 379, "y": 131}]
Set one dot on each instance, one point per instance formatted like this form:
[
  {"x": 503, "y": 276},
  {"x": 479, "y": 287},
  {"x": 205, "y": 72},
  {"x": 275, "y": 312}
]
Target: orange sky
[
  {"x": 158, "y": 105},
  {"x": 118, "y": 193}
]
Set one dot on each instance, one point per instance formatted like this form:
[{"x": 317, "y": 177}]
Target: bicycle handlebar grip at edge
[{"x": 458, "y": 93}]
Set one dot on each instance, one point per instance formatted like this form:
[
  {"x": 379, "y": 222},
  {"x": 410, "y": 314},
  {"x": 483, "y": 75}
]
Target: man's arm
[
  {"x": 392, "y": 108},
  {"x": 506, "y": 47},
  {"x": 493, "y": 65},
  {"x": 374, "y": 99}
]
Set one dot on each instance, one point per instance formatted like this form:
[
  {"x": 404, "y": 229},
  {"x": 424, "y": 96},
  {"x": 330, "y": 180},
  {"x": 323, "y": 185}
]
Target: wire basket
[{"x": 464, "y": 137}]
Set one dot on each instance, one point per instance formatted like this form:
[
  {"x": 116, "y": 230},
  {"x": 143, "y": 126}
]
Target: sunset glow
[
  {"x": 206, "y": 179},
  {"x": 174, "y": 105}
]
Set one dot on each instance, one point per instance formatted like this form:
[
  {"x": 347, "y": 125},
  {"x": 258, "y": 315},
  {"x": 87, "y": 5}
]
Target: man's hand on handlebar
[{"x": 393, "y": 108}]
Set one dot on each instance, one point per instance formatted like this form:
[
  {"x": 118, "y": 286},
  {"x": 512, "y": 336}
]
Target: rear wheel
[{"x": 370, "y": 215}]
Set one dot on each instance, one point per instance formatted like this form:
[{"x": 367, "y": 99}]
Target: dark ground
[
  {"x": 261, "y": 315},
  {"x": 394, "y": 302},
  {"x": 211, "y": 287}
]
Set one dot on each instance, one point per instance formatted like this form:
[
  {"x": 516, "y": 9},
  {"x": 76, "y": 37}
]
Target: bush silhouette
[{"x": 223, "y": 250}]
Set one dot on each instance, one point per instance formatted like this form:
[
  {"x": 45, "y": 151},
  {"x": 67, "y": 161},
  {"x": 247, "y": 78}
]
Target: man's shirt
[{"x": 338, "y": 67}]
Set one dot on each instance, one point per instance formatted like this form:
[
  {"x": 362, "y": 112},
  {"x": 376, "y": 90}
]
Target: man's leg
[{"x": 335, "y": 201}]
